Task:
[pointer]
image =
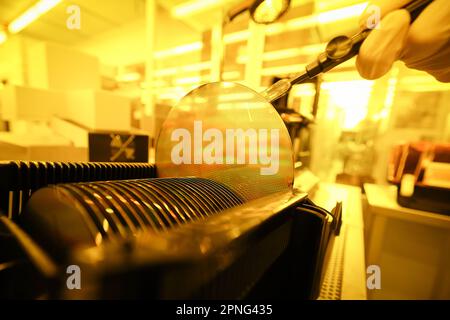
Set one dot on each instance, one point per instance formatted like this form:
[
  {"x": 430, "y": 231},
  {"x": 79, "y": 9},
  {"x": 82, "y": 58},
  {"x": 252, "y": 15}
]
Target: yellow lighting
[
  {"x": 351, "y": 98},
  {"x": 313, "y": 20},
  {"x": 188, "y": 80},
  {"x": 194, "y": 6},
  {"x": 231, "y": 75},
  {"x": 341, "y": 14},
  {"x": 170, "y": 96},
  {"x": 294, "y": 24},
  {"x": 354, "y": 84},
  {"x": 3, "y": 37},
  {"x": 303, "y": 90},
  {"x": 293, "y": 52},
  {"x": 31, "y": 15},
  {"x": 129, "y": 77},
  {"x": 272, "y": 29},
  {"x": 286, "y": 53},
  {"x": 339, "y": 76},
  {"x": 422, "y": 83},
  {"x": 175, "y": 51},
  {"x": 245, "y": 96},
  {"x": 234, "y": 37},
  {"x": 169, "y": 93},
  {"x": 154, "y": 83},
  {"x": 283, "y": 70},
  {"x": 183, "y": 69}
]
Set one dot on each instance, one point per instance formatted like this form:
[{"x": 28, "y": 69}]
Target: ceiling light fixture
[
  {"x": 195, "y": 6},
  {"x": 342, "y": 13},
  {"x": 175, "y": 51},
  {"x": 31, "y": 15}
]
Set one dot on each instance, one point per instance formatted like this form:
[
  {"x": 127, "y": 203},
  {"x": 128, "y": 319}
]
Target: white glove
[{"x": 423, "y": 45}]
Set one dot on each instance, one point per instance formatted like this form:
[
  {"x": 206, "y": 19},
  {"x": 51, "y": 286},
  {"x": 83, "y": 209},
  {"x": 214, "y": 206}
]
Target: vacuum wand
[{"x": 337, "y": 51}]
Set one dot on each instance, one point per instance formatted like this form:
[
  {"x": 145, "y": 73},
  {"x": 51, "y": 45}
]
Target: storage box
[
  {"x": 51, "y": 66},
  {"x": 26, "y": 103},
  {"x": 99, "y": 110}
]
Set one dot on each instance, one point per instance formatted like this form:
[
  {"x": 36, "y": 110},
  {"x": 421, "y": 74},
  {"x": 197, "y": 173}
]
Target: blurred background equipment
[
  {"x": 422, "y": 173},
  {"x": 298, "y": 117}
]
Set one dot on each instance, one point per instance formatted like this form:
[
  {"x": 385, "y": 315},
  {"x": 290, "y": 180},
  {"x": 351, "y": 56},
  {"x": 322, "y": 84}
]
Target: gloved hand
[{"x": 423, "y": 45}]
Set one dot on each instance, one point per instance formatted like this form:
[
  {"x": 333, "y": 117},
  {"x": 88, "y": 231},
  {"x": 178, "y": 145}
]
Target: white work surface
[
  {"x": 345, "y": 277},
  {"x": 412, "y": 247},
  {"x": 383, "y": 198}
]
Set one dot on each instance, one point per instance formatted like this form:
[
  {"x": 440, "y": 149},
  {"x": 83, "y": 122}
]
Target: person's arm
[{"x": 423, "y": 45}]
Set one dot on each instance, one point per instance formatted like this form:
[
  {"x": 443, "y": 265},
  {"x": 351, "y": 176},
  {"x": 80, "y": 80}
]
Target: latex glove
[{"x": 423, "y": 45}]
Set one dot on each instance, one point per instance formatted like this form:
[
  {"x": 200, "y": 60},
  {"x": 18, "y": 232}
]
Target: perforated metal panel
[{"x": 332, "y": 283}]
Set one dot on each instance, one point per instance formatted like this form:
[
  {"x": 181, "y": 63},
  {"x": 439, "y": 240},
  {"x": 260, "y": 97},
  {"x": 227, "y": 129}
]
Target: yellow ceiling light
[
  {"x": 175, "y": 51},
  {"x": 188, "y": 80},
  {"x": 31, "y": 15},
  {"x": 312, "y": 20},
  {"x": 194, "y": 6},
  {"x": 341, "y": 14},
  {"x": 3, "y": 36},
  {"x": 236, "y": 37}
]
